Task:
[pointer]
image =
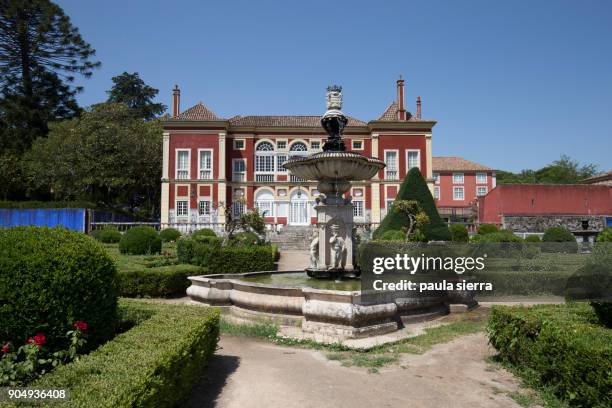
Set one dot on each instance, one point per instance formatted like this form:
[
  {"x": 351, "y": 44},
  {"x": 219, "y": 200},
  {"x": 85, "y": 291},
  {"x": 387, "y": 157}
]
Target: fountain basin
[{"x": 330, "y": 313}]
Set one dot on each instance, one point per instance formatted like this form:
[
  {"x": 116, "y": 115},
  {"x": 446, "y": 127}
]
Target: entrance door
[{"x": 298, "y": 208}]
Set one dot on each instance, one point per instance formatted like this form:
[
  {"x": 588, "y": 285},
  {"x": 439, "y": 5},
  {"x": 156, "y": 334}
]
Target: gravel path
[{"x": 249, "y": 373}]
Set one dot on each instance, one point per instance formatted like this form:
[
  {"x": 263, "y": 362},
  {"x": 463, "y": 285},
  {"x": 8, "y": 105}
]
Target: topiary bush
[
  {"x": 484, "y": 229},
  {"x": 245, "y": 239},
  {"x": 169, "y": 235},
  {"x": 51, "y": 277},
  {"x": 415, "y": 188},
  {"x": 108, "y": 235},
  {"x": 532, "y": 238},
  {"x": 393, "y": 236},
  {"x": 605, "y": 235},
  {"x": 559, "y": 239},
  {"x": 459, "y": 233},
  {"x": 202, "y": 233},
  {"x": 140, "y": 241}
]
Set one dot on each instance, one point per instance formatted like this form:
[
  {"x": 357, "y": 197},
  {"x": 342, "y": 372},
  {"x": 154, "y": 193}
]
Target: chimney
[
  {"x": 401, "y": 110},
  {"x": 418, "y": 109},
  {"x": 176, "y": 101}
]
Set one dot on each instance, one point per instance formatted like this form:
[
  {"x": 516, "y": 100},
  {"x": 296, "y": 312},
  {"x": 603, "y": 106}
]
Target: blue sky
[{"x": 512, "y": 84}]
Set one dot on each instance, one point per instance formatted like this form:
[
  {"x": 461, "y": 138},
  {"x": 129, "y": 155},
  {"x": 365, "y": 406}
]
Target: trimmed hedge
[
  {"x": 605, "y": 235},
  {"x": 169, "y": 235},
  {"x": 140, "y": 241},
  {"x": 162, "y": 281},
  {"x": 51, "y": 277},
  {"x": 484, "y": 229},
  {"x": 202, "y": 233},
  {"x": 561, "y": 345},
  {"x": 154, "y": 364},
  {"x": 559, "y": 239},
  {"x": 226, "y": 259},
  {"x": 393, "y": 236},
  {"x": 108, "y": 235},
  {"x": 414, "y": 187},
  {"x": 459, "y": 233},
  {"x": 532, "y": 239}
]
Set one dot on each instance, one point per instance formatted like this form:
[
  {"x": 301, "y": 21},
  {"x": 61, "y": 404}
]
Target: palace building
[{"x": 211, "y": 164}]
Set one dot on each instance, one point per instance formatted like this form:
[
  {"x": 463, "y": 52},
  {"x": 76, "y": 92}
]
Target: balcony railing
[
  {"x": 182, "y": 174},
  {"x": 264, "y": 177},
  {"x": 296, "y": 179},
  {"x": 391, "y": 174},
  {"x": 205, "y": 174},
  {"x": 239, "y": 176}
]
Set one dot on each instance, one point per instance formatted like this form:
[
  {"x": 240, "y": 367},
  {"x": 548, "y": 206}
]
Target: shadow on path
[{"x": 207, "y": 390}]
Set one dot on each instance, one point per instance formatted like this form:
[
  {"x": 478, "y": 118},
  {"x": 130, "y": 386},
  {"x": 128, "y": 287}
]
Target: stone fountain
[{"x": 332, "y": 253}]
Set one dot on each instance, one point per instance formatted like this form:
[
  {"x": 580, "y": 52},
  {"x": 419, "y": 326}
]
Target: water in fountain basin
[{"x": 301, "y": 280}]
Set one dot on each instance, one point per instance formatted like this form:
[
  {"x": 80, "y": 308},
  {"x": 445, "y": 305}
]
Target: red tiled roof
[
  {"x": 285, "y": 121},
  {"x": 456, "y": 164},
  {"x": 390, "y": 113},
  {"x": 599, "y": 177},
  {"x": 198, "y": 112}
]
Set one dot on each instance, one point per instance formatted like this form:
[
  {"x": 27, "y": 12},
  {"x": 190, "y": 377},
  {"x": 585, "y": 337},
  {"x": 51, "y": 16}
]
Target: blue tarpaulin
[{"x": 72, "y": 218}]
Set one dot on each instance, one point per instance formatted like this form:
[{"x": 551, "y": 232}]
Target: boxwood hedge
[
  {"x": 140, "y": 241},
  {"x": 154, "y": 364},
  {"x": 561, "y": 345},
  {"x": 161, "y": 281},
  {"x": 51, "y": 277},
  {"x": 226, "y": 259}
]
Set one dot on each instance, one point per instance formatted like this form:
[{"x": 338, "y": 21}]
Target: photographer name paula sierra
[{"x": 407, "y": 285}]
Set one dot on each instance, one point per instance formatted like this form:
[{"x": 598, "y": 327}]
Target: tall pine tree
[{"x": 131, "y": 90}]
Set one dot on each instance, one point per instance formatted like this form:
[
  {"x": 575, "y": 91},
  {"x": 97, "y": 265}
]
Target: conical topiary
[{"x": 414, "y": 187}]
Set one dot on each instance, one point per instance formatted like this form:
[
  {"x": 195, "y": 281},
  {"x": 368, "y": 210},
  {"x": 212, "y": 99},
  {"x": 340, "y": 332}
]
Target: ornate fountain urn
[{"x": 331, "y": 251}]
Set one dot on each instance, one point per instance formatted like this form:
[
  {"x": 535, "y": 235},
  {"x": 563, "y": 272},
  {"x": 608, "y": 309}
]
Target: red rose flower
[
  {"x": 39, "y": 339},
  {"x": 6, "y": 348},
  {"x": 81, "y": 325}
]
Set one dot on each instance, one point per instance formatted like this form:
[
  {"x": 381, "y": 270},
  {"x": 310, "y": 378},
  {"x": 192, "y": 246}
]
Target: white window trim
[
  {"x": 286, "y": 148},
  {"x": 209, "y": 200},
  {"x": 439, "y": 192},
  {"x": 316, "y": 141},
  {"x": 243, "y": 144},
  {"x": 436, "y": 179},
  {"x": 485, "y": 178},
  {"x": 462, "y": 189},
  {"x": 396, "y": 151},
  {"x": 357, "y": 140},
  {"x": 212, "y": 163},
  {"x": 418, "y": 152},
  {"x": 246, "y": 169},
  {"x": 462, "y": 178},
  {"x": 486, "y": 190},
  {"x": 362, "y": 209},
  {"x": 176, "y": 201},
  {"x": 176, "y": 162}
]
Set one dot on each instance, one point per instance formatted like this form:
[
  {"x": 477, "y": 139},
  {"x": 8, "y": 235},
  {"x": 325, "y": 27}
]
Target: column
[
  {"x": 375, "y": 186},
  {"x": 428, "y": 153},
  {"x": 165, "y": 186},
  {"x": 222, "y": 190}
]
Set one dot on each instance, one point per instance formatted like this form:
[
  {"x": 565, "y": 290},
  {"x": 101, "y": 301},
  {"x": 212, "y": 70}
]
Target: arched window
[
  {"x": 298, "y": 148},
  {"x": 264, "y": 158},
  {"x": 264, "y": 201}
]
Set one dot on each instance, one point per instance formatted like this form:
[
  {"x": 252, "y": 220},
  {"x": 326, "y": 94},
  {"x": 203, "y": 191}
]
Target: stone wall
[{"x": 543, "y": 222}]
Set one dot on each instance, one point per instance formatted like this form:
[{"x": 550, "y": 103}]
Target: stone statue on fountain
[{"x": 336, "y": 246}]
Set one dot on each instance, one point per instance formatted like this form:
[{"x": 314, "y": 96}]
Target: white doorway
[{"x": 298, "y": 208}]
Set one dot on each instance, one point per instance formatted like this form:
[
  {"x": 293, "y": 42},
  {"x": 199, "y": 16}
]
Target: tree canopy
[
  {"x": 138, "y": 96},
  {"x": 106, "y": 156},
  {"x": 562, "y": 171}
]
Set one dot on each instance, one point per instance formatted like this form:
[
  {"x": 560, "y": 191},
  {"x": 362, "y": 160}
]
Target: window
[
  {"x": 437, "y": 193},
  {"x": 238, "y": 144},
  {"x": 436, "y": 177},
  {"x": 281, "y": 144},
  {"x": 298, "y": 149},
  {"x": 182, "y": 208},
  {"x": 238, "y": 208},
  {"x": 358, "y": 209},
  {"x": 457, "y": 178},
  {"x": 391, "y": 172},
  {"x": 413, "y": 159},
  {"x": 204, "y": 207},
  {"x": 182, "y": 164},
  {"x": 389, "y": 203},
  {"x": 264, "y": 158},
  {"x": 280, "y": 159},
  {"x": 357, "y": 144},
  {"x": 458, "y": 193},
  {"x": 481, "y": 191},
  {"x": 481, "y": 178},
  {"x": 264, "y": 202},
  {"x": 205, "y": 165},
  {"x": 239, "y": 170},
  {"x": 315, "y": 145}
]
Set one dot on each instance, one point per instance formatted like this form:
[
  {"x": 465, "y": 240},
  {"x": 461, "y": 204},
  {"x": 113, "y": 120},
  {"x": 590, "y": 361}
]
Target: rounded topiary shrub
[
  {"x": 108, "y": 235},
  {"x": 459, "y": 233},
  {"x": 605, "y": 235},
  {"x": 245, "y": 239},
  {"x": 169, "y": 235},
  {"x": 484, "y": 229},
  {"x": 559, "y": 239},
  {"x": 140, "y": 241},
  {"x": 393, "y": 236},
  {"x": 50, "y": 278},
  {"x": 532, "y": 238},
  {"x": 201, "y": 233}
]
